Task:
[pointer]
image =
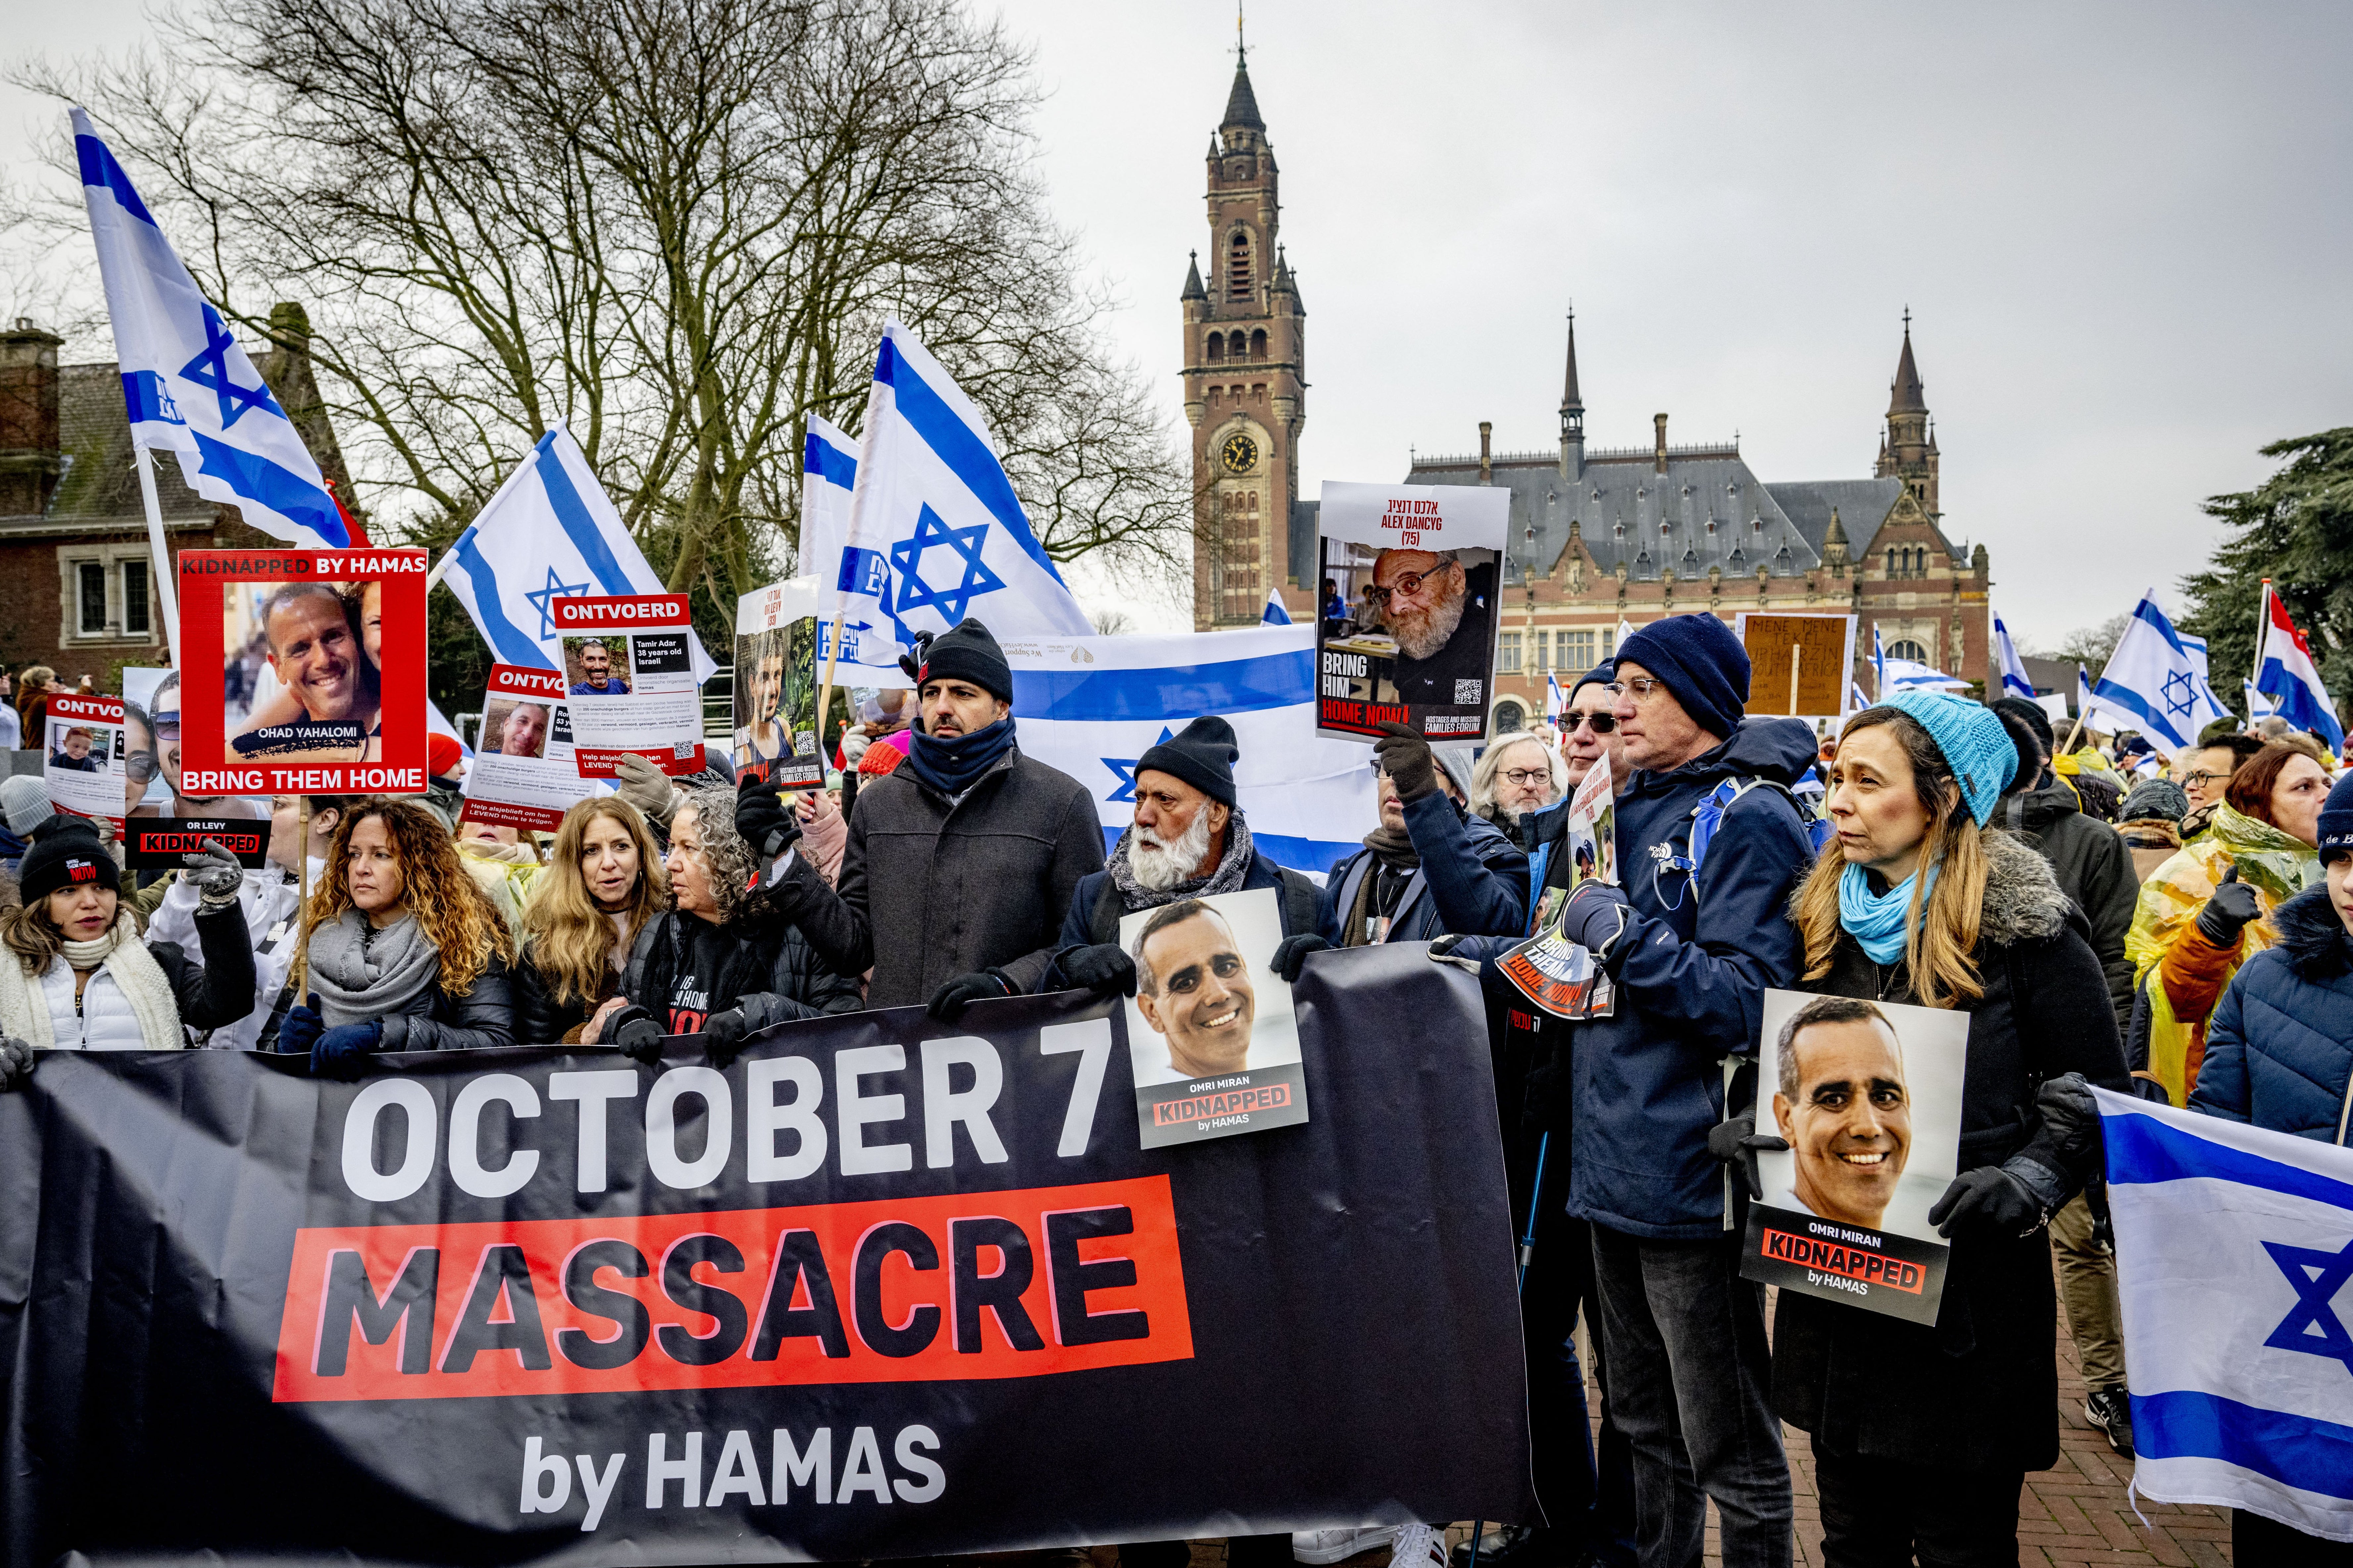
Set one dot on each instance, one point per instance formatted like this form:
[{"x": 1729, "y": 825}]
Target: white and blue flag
[
  {"x": 190, "y": 389},
  {"x": 1555, "y": 704},
  {"x": 935, "y": 531},
  {"x": 1855, "y": 700},
  {"x": 2015, "y": 681},
  {"x": 1092, "y": 705},
  {"x": 550, "y": 533},
  {"x": 856, "y": 582},
  {"x": 1274, "y": 614},
  {"x": 1911, "y": 676},
  {"x": 2083, "y": 694},
  {"x": 2234, "y": 1251},
  {"x": 2152, "y": 684},
  {"x": 2258, "y": 704},
  {"x": 2286, "y": 673},
  {"x": 1879, "y": 666}
]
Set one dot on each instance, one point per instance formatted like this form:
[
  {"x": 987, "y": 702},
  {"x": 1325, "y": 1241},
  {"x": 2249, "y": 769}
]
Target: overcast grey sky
[{"x": 2121, "y": 228}]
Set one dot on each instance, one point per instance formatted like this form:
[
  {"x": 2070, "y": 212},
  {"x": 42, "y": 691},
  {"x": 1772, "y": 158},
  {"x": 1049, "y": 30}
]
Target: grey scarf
[
  {"x": 1226, "y": 878},
  {"x": 361, "y": 973}
]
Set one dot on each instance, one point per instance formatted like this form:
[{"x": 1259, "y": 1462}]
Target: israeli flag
[
  {"x": 1555, "y": 704},
  {"x": 550, "y": 533},
  {"x": 190, "y": 389},
  {"x": 2083, "y": 694},
  {"x": 1274, "y": 614},
  {"x": 853, "y": 579},
  {"x": 2152, "y": 684},
  {"x": 2234, "y": 1247},
  {"x": 1911, "y": 676},
  {"x": 1092, "y": 705},
  {"x": 2258, "y": 704},
  {"x": 1878, "y": 665},
  {"x": 935, "y": 530},
  {"x": 2015, "y": 682},
  {"x": 2284, "y": 672},
  {"x": 1856, "y": 701}
]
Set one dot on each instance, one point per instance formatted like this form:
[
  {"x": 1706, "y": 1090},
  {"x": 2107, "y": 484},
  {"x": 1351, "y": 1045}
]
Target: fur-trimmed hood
[
  {"x": 2022, "y": 900},
  {"x": 2311, "y": 936}
]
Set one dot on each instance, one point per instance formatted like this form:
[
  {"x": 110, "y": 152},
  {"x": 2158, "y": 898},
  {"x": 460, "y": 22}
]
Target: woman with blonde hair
[
  {"x": 406, "y": 952},
  {"x": 602, "y": 887},
  {"x": 1916, "y": 901}
]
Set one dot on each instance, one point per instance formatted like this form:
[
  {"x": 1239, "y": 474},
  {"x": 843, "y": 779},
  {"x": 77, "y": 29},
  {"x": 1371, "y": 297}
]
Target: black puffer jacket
[
  {"x": 1979, "y": 1391},
  {"x": 765, "y": 965},
  {"x": 2094, "y": 866},
  {"x": 540, "y": 1017},
  {"x": 435, "y": 1020}
]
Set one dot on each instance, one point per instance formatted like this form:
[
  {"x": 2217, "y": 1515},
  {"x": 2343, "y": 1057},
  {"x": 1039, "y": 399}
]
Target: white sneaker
[{"x": 1328, "y": 1546}]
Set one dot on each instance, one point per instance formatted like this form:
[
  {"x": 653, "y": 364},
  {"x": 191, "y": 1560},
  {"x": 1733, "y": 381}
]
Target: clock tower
[{"x": 1245, "y": 350}]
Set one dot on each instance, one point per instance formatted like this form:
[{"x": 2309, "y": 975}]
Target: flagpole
[
  {"x": 825, "y": 687},
  {"x": 166, "y": 593},
  {"x": 302, "y": 904}
]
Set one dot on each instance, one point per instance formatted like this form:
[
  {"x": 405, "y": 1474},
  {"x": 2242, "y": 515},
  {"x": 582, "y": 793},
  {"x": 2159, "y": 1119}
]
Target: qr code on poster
[{"x": 1468, "y": 691}]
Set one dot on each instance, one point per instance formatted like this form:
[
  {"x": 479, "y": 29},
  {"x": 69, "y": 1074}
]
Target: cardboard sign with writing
[
  {"x": 1416, "y": 569},
  {"x": 1801, "y": 666}
]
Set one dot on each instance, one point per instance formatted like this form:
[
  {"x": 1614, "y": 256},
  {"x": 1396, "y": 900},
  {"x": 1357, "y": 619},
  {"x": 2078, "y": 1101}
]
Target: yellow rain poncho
[{"x": 2278, "y": 866}]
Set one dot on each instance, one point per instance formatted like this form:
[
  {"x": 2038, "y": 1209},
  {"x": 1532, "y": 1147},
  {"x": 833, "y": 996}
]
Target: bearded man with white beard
[
  {"x": 1189, "y": 841},
  {"x": 1440, "y": 612}
]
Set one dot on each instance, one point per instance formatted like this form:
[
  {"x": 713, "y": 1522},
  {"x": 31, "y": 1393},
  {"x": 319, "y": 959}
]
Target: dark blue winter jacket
[
  {"x": 2279, "y": 1048},
  {"x": 1692, "y": 969},
  {"x": 1473, "y": 879}
]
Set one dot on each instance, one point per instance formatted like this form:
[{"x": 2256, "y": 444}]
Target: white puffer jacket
[{"x": 105, "y": 1022}]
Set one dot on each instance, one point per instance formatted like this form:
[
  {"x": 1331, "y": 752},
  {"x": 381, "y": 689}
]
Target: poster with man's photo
[
  {"x": 1868, "y": 1096},
  {"x": 523, "y": 774},
  {"x": 86, "y": 755},
  {"x": 1210, "y": 1033},
  {"x": 629, "y": 681},
  {"x": 1415, "y": 572},
  {"x": 302, "y": 671},
  {"x": 777, "y": 663},
  {"x": 1549, "y": 970}
]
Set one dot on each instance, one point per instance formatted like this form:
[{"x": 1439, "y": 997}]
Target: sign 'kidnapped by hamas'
[{"x": 874, "y": 1290}]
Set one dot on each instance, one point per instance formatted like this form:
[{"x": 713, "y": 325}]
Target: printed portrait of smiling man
[
  {"x": 1842, "y": 1102},
  {"x": 1193, "y": 985}
]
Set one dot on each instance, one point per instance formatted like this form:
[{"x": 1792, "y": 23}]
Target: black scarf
[{"x": 952, "y": 767}]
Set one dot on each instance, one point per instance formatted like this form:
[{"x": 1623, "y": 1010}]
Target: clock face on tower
[{"x": 1240, "y": 454}]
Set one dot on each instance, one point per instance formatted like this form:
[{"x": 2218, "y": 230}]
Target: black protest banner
[{"x": 882, "y": 1287}]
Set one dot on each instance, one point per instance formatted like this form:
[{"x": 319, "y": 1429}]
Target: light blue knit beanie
[{"x": 1976, "y": 746}]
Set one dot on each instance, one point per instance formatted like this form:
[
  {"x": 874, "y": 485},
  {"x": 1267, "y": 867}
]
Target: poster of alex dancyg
[{"x": 777, "y": 671}]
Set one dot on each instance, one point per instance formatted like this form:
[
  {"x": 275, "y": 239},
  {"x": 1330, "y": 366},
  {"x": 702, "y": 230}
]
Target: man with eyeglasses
[
  {"x": 1588, "y": 728},
  {"x": 167, "y": 749},
  {"x": 1515, "y": 778},
  {"x": 1439, "y": 611},
  {"x": 1692, "y": 942}
]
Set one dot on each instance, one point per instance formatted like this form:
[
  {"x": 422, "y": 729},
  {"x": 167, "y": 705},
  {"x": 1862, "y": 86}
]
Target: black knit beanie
[
  {"x": 966, "y": 653},
  {"x": 1203, "y": 756},
  {"x": 65, "y": 854},
  {"x": 1601, "y": 674}
]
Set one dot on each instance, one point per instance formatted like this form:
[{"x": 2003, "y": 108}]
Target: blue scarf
[
  {"x": 1875, "y": 920},
  {"x": 952, "y": 767}
]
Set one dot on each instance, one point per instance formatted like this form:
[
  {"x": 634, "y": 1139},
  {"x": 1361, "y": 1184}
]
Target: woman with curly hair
[
  {"x": 603, "y": 886},
  {"x": 719, "y": 963},
  {"x": 406, "y": 952}
]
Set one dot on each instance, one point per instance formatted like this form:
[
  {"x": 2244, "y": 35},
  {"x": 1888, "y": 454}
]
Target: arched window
[
  {"x": 1258, "y": 344},
  {"x": 1216, "y": 345},
  {"x": 1510, "y": 718},
  {"x": 1240, "y": 347},
  {"x": 1905, "y": 648},
  {"x": 1237, "y": 266}
]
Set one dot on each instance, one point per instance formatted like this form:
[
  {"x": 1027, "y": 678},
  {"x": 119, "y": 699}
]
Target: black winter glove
[
  {"x": 1104, "y": 968},
  {"x": 722, "y": 1037},
  {"x": 1291, "y": 955},
  {"x": 2073, "y": 1116},
  {"x": 2231, "y": 910},
  {"x": 1593, "y": 916},
  {"x": 300, "y": 1030},
  {"x": 634, "y": 1032},
  {"x": 1407, "y": 758},
  {"x": 763, "y": 820},
  {"x": 1738, "y": 1143},
  {"x": 1993, "y": 1200},
  {"x": 949, "y": 1002},
  {"x": 16, "y": 1063},
  {"x": 218, "y": 874}
]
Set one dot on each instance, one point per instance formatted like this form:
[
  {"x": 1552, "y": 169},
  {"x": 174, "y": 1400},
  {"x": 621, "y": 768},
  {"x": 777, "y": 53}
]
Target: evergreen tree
[{"x": 2296, "y": 528}]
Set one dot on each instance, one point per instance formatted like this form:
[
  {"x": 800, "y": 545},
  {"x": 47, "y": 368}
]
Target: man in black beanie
[
  {"x": 1189, "y": 841},
  {"x": 959, "y": 865}
]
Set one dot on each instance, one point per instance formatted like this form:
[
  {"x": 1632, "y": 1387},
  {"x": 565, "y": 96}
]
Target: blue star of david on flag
[
  {"x": 907, "y": 555},
  {"x": 210, "y": 369},
  {"x": 2181, "y": 691},
  {"x": 2311, "y": 1324},
  {"x": 557, "y": 587},
  {"x": 1123, "y": 770}
]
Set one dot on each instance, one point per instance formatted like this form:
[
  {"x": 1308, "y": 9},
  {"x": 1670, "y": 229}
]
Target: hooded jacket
[
  {"x": 932, "y": 888},
  {"x": 2279, "y": 1049},
  {"x": 2093, "y": 867},
  {"x": 1692, "y": 968},
  {"x": 1979, "y": 1390}
]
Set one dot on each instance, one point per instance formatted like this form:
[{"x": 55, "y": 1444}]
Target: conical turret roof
[
  {"x": 1907, "y": 397},
  {"x": 1241, "y": 104}
]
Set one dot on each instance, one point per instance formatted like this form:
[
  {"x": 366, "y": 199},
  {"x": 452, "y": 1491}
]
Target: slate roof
[
  {"x": 1241, "y": 104},
  {"x": 1862, "y": 504},
  {"x": 99, "y": 487}
]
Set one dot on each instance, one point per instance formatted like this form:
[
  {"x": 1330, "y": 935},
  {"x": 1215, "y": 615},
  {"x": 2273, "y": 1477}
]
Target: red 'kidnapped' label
[{"x": 978, "y": 1284}]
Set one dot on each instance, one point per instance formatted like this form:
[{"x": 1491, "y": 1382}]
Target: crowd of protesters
[{"x": 2188, "y": 937}]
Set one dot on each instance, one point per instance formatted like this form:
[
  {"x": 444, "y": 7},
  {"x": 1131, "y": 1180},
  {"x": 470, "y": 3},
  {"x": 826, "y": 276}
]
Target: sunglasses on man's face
[
  {"x": 140, "y": 766},
  {"x": 1603, "y": 722}
]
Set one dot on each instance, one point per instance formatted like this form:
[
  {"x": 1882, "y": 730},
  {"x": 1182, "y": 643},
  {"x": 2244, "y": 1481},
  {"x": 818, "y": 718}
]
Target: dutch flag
[{"x": 2284, "y": 672}]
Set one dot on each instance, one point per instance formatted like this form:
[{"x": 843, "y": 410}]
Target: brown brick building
[
  {"x": 1600, "y": 534},
  {"x": 76, "y": 573}
]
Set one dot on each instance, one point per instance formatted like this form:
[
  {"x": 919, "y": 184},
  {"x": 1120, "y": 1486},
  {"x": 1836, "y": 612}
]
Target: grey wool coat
[{"x": 932, "y": 888}]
